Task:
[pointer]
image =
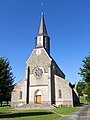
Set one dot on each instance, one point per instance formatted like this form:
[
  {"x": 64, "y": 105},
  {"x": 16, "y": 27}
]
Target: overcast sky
[{"x": 68, "y": 25}]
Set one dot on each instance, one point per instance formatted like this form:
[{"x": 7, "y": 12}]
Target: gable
[
  {"x": 39, "y": 58},
  {"x": 20, "y": 84}
]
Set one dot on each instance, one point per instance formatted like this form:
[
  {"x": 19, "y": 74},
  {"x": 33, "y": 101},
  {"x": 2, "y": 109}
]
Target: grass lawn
[
  {"x": 67, "y": 110},
  {"x": 6, "y": 113}
]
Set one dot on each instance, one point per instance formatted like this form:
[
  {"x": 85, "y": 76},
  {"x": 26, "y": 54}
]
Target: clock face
[
  {"x": 38, "y": 72},
  {"x": 38, "y": 52}
]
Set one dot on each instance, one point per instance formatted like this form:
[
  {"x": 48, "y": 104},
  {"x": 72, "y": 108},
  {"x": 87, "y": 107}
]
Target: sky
[{"x": 68, "y": 26}]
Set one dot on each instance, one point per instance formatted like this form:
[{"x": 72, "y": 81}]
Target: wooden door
[{"x": 38, "y": 99}]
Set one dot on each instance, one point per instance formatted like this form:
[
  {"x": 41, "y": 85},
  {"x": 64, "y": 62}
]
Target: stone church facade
[{"x": 44, "y": 82}]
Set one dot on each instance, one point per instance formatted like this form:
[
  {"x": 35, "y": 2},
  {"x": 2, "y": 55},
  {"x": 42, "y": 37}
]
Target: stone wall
[
  {"x": 41, "y": 84},
  {"x": 52, "y": 86},
  {"x": 66, "y": 92},
  {"x": 16, "y": 101},
  {"x": 41, "y": 60}
]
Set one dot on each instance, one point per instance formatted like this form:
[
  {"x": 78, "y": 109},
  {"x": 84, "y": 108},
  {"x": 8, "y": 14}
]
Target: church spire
[
  {"x": 42, "y": 39},
  {"x": 42, "y": 28}
]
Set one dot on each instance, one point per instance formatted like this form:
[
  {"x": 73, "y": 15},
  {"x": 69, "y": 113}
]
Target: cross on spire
[{"x": 42, "y": 4}]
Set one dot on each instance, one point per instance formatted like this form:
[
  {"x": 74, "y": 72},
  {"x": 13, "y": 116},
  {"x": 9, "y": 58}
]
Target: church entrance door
[
  {"x": 39, "y": 99},
  {"x": 38, "y": 96}
]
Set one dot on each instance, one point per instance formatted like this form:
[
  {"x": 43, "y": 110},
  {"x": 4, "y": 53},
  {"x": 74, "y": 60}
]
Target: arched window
[
  {"x": 59, "y": 94},
  {"x": 20, "y": 95}
]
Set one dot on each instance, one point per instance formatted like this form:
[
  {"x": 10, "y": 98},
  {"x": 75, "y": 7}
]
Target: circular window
[{"x": 38, "y": 72}]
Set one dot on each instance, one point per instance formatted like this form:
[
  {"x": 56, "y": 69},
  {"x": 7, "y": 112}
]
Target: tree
[
  {"x": 6, "y": 80},
  {"x": 85, "y": 74},
  {"x": 80, "y": 88}
]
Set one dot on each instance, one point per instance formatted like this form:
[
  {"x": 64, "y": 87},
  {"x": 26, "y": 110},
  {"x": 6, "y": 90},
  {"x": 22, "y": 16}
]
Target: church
[{"x": 44, "y": 82}]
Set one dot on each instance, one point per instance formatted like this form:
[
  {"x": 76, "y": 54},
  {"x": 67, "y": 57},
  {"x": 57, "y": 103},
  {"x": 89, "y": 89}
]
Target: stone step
[{"x": 37, "y": 106}]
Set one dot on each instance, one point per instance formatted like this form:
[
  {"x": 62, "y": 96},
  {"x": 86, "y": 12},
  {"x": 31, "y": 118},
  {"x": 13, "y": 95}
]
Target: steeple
[
  {"x": 42, "y": 39},
  {"x": 42, "y": 28}
]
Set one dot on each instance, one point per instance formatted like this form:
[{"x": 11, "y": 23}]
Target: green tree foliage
[
  {"x": 80, "y": 88},
  {"x": 6, "y": 80},
  {"x": 85, "y": 74},
  {"x": 85, "y": 69}
]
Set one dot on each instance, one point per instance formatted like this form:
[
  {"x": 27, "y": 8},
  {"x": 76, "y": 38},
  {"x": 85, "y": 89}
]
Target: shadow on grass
[
  {"x": 4, "y": 105},
  {"x": 14, "y": 115}
]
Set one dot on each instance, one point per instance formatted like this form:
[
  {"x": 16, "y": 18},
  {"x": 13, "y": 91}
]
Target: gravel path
[{"x": 82, "y": 114}]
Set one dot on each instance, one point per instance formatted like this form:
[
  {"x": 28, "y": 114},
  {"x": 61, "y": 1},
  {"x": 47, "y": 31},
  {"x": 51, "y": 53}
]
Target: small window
[
  {"x": 20, "y": 95},
  {"x": 46, "y": 44},
  {"x": 59, "y": 94},
  {"x": 39, "y": 38},
  {"x": 54, "y": 69}
]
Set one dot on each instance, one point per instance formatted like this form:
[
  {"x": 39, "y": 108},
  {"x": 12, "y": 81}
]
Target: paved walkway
[{"x": 82, "y": 114}]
